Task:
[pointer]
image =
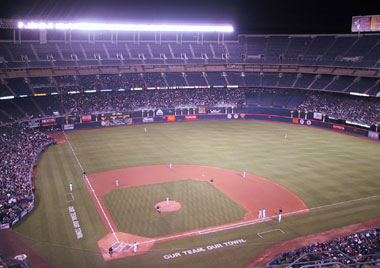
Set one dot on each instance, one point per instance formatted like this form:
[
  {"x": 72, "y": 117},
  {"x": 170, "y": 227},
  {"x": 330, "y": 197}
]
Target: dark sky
[{"x": 256, "y": 17}]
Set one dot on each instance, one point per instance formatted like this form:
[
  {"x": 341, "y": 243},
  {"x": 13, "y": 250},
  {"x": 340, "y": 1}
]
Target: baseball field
[{"x": 322, "y": 180}]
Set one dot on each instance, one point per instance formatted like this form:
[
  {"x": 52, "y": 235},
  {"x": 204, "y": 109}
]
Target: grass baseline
[{"x": 203, "y": 205}]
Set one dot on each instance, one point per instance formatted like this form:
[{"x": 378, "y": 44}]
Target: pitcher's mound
[{"x": 172, "y": 206}]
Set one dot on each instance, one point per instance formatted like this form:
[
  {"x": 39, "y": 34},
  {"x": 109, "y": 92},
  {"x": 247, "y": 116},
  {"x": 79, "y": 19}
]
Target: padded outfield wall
[{"x": 215, "y": 113}]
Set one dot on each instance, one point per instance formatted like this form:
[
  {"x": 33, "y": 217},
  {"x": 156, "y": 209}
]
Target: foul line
[
  {"x": 92, "y": 189},
  {"x": 252, "y": 222}
]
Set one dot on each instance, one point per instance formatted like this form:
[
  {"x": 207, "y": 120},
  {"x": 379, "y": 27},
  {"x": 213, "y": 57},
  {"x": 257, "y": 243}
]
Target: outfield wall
[
  {"x": 73, "y": 122},
  {"x": 215, "y": 113}
]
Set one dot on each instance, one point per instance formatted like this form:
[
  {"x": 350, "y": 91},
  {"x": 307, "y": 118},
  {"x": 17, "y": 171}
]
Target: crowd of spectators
[
  {"x": 340, "y": 106},
  {"x": 152, "y": 99},
  {"x": 19, "y": 147},
  {"x": 355, "y": 109},
  {"x": 353, "y": 249}
]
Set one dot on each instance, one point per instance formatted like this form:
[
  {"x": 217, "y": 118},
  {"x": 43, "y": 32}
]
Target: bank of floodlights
[{"x": 84, "y": 26}]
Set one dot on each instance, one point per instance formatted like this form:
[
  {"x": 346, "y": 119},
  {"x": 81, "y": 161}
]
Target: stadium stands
[
  {"x": 24, "y": 145},
  {"x": 354, "y": 250}
]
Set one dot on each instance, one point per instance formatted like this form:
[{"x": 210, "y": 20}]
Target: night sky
[{"x": 254, "y": 17}]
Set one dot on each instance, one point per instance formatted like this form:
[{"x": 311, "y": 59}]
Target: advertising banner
[
  {"x": 128, "y": 121},
  {"x": 114, "y": 116},
  {"x": 365, "y": 23},
  {"x": 338, "y": 127},
  {"x": 48, "y": 122},
  {"x": 190, "y": 117},
  {"x": 171, "y": 118},
  {"x": 105, "y": 123},
  {"x": 295, "y": 120},
  {"x": 4, "y": 226},
  {"x": 68, "y": 127},
  {"x": 86, "y": 118},
  {"x": 373, "y": 135},
  {"x": 215, "y": 111},
  {"x": 375, "y": 23},
  {"x": 117, "y": 122},
  {"x": 150, "y": 120},
  {"x": 159, "y": 112},
  {"x": 317, "y": 116},
  {"x": 73, "y": 119},
  {"x": 201, "y": 110},
  {"x": 361, "y": 24},
  {"x": 34, "y": 123}
]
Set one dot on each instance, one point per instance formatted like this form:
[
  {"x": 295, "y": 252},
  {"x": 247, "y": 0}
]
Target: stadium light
[
  {"x": 359, "y": 94},
  {"x": 84, "y": 26},
  {"x": 7, "y": 97}
]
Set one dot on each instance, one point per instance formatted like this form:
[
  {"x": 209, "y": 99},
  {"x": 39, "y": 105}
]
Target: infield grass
[
  {"x": 203, "y": 205},
  {"x": 321, "y": 167}
]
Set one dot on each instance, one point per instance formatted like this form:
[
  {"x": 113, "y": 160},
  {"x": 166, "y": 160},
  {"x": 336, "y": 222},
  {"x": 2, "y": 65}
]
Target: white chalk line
[
  {"x": 252, "y": 222},
  {"x": 92, "y": 189},
  {"x": 270, "y": 231}
]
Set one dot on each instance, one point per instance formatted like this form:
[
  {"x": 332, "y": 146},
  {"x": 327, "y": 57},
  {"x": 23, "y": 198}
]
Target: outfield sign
[
  {"x": 48, "y": 122},
  {"x": 204, "y": 249},
  {"x": 4, "y": 226},
  {"x": 338, "y": 127},
  {"x": 373, "y": 135},
  {"x": 171, "y": 118},
  {"x": 148, "y": 120},
  {"x": 201, "y": 110},
  {"x": 317, "y": 116},
  {"x": 68, "y": 127},
  {"x": 86, "y": 118},
  {"x": 34, "y": 123},
  {"x": 215, "y": 111},
  {"x": 190, "y": 117}
]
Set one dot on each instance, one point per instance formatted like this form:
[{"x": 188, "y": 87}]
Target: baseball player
[
  {"x": 212, "y": 181},
  {"x": 286, "y": 135},
  {"x": 158, "y": 209},
  {"x": 145, "y": 129},
  {"x": 264, "y": 216},
  {"x": 170, "y": 165},
  {"x": 279, "y": 215},
  {"x": 71, "y": 187},
  {"x": 117, "y": 183},
  {"x": 135, "y": 247},
  {"x": 244, "y": 174},
  {"x": 167, "y": 201},
  {"x": 110, "y": 251},
  {"x": 260, "y": 214}
]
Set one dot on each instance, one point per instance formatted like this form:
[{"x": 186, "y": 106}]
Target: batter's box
[
  {"x": 270, "y": 231},
  {"x": 69, "y": 197}
]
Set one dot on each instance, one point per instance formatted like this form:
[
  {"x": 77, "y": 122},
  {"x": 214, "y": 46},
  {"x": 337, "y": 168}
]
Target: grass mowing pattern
[
  {"x": 322, "y": 167},
  {"x": 203, "y": 205}
]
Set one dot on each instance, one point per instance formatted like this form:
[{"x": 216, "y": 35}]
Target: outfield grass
[
  {"x": 322, "y": 167},
  {"x": 203, "y": 205}
]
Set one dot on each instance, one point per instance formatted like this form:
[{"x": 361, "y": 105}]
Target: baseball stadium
[{"x": 126, "y": 145}]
